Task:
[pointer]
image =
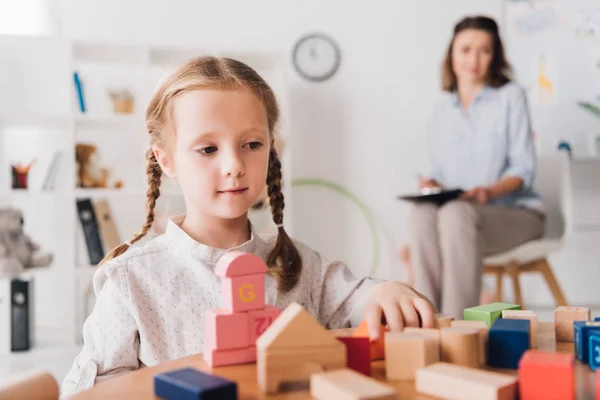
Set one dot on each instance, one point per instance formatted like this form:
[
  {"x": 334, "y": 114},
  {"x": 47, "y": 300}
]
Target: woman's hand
[
  {"x": 397, "y": 305},
  {"x": 480, "y": 195}
]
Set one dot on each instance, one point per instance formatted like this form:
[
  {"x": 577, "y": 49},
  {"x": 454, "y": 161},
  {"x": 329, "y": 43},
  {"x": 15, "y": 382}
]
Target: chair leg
[
  {"x": 551, "y": 281},
  {"x": 499, "y": 278},
  {"x": 513, "y": 271}
]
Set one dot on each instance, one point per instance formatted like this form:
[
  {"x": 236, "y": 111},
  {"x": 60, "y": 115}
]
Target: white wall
[{"x": 363, "y": 129}]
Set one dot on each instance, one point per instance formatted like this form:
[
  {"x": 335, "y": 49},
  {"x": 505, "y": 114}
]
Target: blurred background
[{"x": 75, "y": 76}]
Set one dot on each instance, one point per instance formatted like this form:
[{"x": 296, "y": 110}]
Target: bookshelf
[{"x": 41, "y": 116}]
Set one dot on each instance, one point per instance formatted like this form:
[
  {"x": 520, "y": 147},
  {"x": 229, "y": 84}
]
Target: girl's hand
[
  {"x": 428, "y": 183},
  {"x": 397, "y": 305}
]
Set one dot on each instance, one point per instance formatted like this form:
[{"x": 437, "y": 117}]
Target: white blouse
[{"x": 150, "y": 302}]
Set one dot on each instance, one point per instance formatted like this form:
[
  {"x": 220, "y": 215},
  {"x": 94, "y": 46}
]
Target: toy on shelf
[
  {"x": 89, "y": 172},
  {"x": 123, "y": 101},
  {"x": 17, "y": 251},
  {"x": 191, "y": 384},
  {"x": 231, "y": 331},
  {"x": 293, "y": 348},
  {"x": 20, "y": 173}
]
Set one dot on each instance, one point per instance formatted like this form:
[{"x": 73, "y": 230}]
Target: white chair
[{"x": 552, "y": 183}]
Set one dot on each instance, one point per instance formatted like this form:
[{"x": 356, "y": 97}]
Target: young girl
[{"x": 211, "y": 127}]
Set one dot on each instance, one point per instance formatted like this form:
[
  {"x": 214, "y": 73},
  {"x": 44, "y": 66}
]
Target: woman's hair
[
  {"x": 218, "y": 73},
  {"x": 499, "y": 71}
]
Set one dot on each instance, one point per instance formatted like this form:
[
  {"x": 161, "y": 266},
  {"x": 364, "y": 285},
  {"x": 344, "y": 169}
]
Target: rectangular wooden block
[
  {"x": 488, "y": 313},
  {"x": 219, "y": 358},
  {"x": 191, "y": 384},
  {"x": 456, "y": 382},
  {"x": 345, "y": 384},
  {"x": 563, "y": 321},
  {"x": 525, "y": 314},
  {"x": 432, "y": 339},
  {"x": 508, "y": 339},
  {"x": 460, "y": 346},
  {"x": 260, "y": 320},
  {"x": 225, "y": 331},
  {"x": 243, "y": 293},
  {"x": 597, "y": 386},
  {"x": 482, "y": 329},
  {"x": 548, "y": 376},
  {"x": 358, "y": 353},
  {"x": 594, "y": 351},
  {"x": 405, "y": 353},
  {"x": 377, "y": 345},
  {"x": 443, "y": 321},
  {"x": 581, "y": 334}
]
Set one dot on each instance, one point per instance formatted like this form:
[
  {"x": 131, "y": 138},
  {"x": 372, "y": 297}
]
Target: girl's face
[
  {"x": 220, "y": 152},
  {"x": 472, "y": 54}
]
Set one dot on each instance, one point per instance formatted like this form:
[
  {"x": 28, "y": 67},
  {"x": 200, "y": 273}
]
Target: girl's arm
[{"x": 110, "y": 334}]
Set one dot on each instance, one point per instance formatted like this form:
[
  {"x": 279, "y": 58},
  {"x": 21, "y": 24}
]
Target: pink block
[
  {"x": 223, "y": 330},
  {"x": 243, "y": 293},
  {"x": 260, "y": 320},
  {"x": 219, "y": 358},
  {"x": 236, "y": 263}
]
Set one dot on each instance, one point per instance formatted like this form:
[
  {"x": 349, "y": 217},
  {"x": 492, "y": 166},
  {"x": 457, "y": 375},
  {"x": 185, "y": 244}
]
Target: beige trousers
[{"x": 448, "y": 245}]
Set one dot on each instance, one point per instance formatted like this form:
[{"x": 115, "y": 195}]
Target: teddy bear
[
  {"x": 17, "y": 251},
  {"x": 89, "y": 173}
]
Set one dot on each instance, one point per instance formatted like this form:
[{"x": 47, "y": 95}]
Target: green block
[{"x": 488, "y": 313}]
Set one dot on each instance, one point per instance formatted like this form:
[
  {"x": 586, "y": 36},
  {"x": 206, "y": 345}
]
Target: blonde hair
[{"x": 218, "y": 73}]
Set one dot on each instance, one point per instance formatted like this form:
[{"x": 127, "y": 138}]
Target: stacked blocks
[
  {"x": 191, "y": 384},
  {"x": 548, "y": 376},
  {"x": 508, "y": 339},
  {"x": 231, "y": 332},
  {"x": 488, "y": 313},
  {"x": 581, "y": 333}
]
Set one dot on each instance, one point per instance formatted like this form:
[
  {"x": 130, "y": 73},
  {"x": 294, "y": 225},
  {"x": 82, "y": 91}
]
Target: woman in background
[{"x": 480, "y": 140}]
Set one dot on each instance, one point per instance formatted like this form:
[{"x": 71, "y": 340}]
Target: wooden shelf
[{"x": 93, "y": 120}]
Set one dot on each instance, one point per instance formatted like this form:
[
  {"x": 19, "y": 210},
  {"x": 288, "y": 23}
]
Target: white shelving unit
[{"x": 40, "y": 115}]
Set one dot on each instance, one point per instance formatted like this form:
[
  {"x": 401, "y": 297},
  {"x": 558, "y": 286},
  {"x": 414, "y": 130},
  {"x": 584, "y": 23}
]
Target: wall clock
[{"x": 316, "y": 57}]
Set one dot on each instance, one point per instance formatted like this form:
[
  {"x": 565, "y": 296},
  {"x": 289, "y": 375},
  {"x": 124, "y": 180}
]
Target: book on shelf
[
  {"x": 52, "y": 171},
  {"x": 99, "y": 228},
  {"x": 107, "y": 226}
]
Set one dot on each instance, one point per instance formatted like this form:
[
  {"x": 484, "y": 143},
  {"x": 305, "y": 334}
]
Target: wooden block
[
  {"x": 443, "y": 321},
  {"x": 242, "y": 281},
  {"x": 581, "y": 334},
  {"x": 432, "y": 339},
  {"x": 525, "y": 314},
  {"x": 225, "y": 331},
  {"x": 260, "y": 320},
  {"x": 545, "y": 375},
  {"x": 294, "y": 347},
  {"x": 455, "y": 382},
  {"x": 488, "y": 313},
  {"x": 34, "y": 384},
  {"x": 358, "y": 354},
  {"x": 597, "y": 386},
  {"x": 482, "y": 330},
  {"x": 220, "y": 358},
  {"x": 405, "y": 353},
  {"x": 460, "y": 346},
  {"x": 189, "y": 383},
  {"x": 594, "y": 351},
  {"x": 345, "y": 384},
  {"x": 377, "y": 345},
  {"x": 563, "y": 321},
  {"x": 508, "y": 339}
]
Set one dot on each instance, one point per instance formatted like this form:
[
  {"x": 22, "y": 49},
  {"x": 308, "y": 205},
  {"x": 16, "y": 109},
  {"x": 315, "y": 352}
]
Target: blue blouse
[{"x": 490, "y": 141}]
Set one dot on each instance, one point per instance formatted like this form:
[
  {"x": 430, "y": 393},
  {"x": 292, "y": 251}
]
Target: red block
[
  {"x": 225, "y": 331},
  {"x": 260, "y": 320},
  {"x": 377, "y": 345},
  {"x": 548, "y": 376},
  {"x": 219, "y": 358},
  {"x": 358, "y": 353}
]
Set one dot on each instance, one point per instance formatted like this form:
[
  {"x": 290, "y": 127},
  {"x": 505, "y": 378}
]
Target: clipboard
[{"x": 436, "y": 196}]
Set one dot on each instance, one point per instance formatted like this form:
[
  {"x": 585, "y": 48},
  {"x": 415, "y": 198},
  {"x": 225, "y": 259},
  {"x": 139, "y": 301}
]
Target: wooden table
[{"x": 140, "y": 384}]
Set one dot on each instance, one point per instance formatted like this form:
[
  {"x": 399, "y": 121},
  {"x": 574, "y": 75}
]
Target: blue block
[
  {"x": 581, "y": 337},
  {"x": 191, "y": 384},
  {"x": 507, "y": 341},
  {"x": 594, "y": 353},
  {"x": 597, "y": 319}
]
